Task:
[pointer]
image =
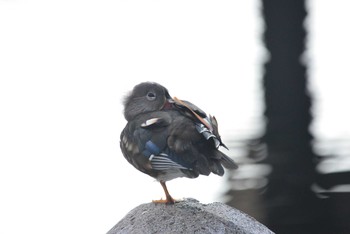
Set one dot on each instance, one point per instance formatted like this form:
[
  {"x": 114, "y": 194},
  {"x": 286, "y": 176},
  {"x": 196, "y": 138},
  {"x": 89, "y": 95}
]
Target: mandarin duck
[{"x": 168, "y": 138}]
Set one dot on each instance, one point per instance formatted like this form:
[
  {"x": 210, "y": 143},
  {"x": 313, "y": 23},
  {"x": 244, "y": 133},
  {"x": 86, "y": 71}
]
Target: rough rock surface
[{"x": 187, "y": 216}]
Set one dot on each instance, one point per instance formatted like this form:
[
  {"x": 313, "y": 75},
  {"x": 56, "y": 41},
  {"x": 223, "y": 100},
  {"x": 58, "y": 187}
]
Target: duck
[{"x": 167, "y": 138}]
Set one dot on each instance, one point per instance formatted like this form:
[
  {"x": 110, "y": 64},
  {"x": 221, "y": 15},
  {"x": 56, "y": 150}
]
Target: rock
[{"x": 187, "y": 216}]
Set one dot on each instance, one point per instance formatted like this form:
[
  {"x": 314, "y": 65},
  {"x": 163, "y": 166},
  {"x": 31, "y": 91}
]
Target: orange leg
[{"x": 169, "y": 199}]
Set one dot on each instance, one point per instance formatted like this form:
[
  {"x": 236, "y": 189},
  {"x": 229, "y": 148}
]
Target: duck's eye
[{"x": 151, "y": 96}]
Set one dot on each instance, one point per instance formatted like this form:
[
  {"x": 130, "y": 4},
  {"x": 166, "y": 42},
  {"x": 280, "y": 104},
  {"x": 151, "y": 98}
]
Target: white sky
[{"x": 65, "y": 66}]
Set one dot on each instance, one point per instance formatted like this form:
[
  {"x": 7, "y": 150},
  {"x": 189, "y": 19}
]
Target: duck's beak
[
  {"x": 168, "y": 103},
  {"x": 170, "y": 100}
]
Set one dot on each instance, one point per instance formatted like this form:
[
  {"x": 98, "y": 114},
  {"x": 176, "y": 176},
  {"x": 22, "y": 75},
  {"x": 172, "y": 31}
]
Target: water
[
  {"x": 328, "y": 84},
  {"x": 331, "y": 145}
]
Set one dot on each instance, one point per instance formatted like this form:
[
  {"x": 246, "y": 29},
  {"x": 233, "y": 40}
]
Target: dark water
[
  {"x": 323, "y": 207},
  {"x": 295, "y": 175}
]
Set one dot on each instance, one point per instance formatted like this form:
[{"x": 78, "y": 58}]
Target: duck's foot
[{"x": 168, "y": 201}]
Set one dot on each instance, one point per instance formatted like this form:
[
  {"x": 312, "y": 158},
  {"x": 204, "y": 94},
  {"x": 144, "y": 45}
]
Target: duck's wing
[{"x": 148, "y": 142}]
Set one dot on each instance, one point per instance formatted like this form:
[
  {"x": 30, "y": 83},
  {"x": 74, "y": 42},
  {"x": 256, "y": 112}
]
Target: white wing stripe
[{"x": 162, "y": 162}]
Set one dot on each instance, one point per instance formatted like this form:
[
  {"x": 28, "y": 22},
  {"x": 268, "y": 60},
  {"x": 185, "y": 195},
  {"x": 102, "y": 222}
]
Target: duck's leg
[{"x": 169, "y": 199}]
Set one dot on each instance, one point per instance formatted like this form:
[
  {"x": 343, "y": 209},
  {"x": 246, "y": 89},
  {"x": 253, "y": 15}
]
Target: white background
[{"x": 66, "y": 65}]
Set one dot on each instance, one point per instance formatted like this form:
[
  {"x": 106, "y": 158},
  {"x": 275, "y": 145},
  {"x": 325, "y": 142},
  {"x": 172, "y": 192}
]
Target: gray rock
[{"x": 187, "y": 216}]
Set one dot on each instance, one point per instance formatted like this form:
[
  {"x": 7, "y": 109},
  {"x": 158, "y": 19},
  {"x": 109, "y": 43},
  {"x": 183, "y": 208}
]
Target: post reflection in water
[{"x": 289, "y": 179}]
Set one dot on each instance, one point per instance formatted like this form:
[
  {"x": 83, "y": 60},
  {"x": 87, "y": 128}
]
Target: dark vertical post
[{"x": 290, "y": 204}]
